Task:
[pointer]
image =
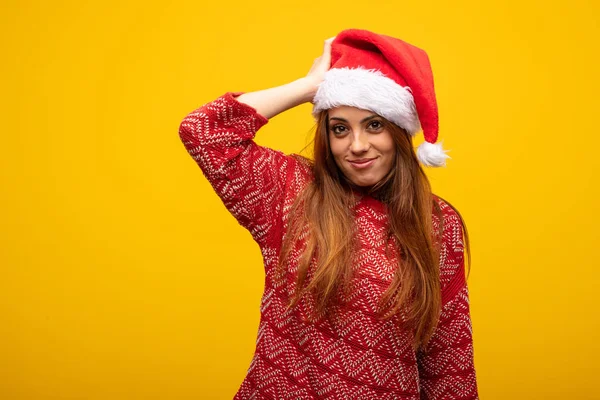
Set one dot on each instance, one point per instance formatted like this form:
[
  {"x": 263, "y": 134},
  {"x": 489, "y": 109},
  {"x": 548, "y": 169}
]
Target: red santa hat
[{"x": 388, "y": 76}]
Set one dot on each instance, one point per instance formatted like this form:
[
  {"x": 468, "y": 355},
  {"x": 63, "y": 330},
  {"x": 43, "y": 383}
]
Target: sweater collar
[{"x": 362, "y": 197}]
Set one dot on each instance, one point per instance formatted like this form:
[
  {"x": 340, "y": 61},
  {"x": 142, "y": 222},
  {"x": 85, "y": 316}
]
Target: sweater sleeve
[
  {"x": 446, "y": 364},
  {"x": 249, "y": 179}
]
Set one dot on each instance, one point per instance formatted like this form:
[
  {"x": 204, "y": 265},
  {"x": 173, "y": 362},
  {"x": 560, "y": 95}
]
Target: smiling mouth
[{"x": 362, "y": 163}]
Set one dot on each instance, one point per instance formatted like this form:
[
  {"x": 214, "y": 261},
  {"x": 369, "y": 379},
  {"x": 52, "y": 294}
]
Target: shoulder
[
  {"x": 446, "y": 217},
  {"x": 452, "y": 275},
  {"x": 302, "y": 169},
  {"x": 304, "y": 163},
  {"x": 298, "y": 174}
]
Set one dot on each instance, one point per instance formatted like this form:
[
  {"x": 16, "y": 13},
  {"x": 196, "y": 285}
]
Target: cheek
[
  {"x": 386, "y": 145},
  {"x": 337, "y": 147},
  {"x": 388, "y": 149}
]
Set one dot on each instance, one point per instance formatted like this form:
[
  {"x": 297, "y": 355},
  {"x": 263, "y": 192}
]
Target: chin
[{"x": 364, "y": 182}]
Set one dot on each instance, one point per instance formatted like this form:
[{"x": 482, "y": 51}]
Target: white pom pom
[{"x": 432, "y": 154}]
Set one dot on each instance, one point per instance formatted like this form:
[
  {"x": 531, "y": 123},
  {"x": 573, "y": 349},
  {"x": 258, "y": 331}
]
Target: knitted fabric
[{"x": 353, "y": 355}]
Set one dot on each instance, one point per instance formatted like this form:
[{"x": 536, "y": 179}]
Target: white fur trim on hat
[
  {"x": 432, "y": 154},
  {"x": 368, "y": 90}
]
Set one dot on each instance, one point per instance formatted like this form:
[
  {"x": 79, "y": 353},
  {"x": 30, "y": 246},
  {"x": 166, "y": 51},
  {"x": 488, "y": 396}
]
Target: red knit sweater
[{"x": 353, "y": 355}]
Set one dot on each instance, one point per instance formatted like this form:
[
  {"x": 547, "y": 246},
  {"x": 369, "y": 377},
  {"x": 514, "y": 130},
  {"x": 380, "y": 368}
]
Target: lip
[{"x": 362, "y": 163}]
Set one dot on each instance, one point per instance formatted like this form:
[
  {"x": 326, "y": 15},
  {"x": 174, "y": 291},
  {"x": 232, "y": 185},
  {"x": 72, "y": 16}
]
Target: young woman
[{"x": 365, "y": 292}]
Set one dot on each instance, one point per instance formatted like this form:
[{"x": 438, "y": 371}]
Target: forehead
[{"x": 349, "y": 112}]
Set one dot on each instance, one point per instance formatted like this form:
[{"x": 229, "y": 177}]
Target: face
[{"x": 362, "y": 147}]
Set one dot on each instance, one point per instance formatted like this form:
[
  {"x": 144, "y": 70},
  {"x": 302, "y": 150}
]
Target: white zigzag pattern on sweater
[{"x": 354, "y": 355}]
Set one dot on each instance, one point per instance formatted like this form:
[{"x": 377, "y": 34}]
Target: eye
[
  {"x": 376, "y": 125},
  {"x": 336, "y": 129}
]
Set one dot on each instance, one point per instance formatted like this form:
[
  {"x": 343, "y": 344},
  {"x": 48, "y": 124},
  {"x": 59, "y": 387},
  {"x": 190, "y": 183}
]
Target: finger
[
  {"x": 327, "y": 51},
  {"x": 327, "y": 43}
]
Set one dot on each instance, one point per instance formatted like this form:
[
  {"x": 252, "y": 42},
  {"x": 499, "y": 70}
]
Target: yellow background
[{"x": 124, "y": 277}]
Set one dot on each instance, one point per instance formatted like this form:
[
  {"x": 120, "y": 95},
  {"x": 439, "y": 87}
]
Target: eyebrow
[{"x": 363, "y": 120}]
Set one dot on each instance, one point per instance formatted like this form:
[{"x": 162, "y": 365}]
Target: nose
[{"x": 360, "y": 143}]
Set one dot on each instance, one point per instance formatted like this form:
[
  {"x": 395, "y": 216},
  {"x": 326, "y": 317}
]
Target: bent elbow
[{"x": 192, "y": 130}]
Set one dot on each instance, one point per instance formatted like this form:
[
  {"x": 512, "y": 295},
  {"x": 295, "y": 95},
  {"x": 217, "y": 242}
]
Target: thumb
[{"x": 326, "y": 57}]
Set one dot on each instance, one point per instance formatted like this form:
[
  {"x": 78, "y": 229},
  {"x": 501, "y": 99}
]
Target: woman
[{"x": 365, "y": 293}]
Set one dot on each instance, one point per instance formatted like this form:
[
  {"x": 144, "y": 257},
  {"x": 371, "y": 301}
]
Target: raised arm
[
  {"x": 271, "y": 102},
  {"x": 446, "y": 365},
  {"x": 249, "y": 179}
]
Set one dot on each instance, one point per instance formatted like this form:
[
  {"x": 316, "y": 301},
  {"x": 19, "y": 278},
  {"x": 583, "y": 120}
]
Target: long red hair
[{"x": 325, "y": 206}]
